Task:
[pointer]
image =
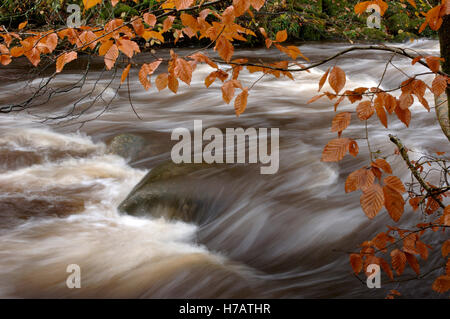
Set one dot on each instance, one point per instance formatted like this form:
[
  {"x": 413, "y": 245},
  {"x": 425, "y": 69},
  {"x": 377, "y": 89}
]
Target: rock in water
[
  {"x": 174, "y": 191},
  {"x": 129, "y": 146}
]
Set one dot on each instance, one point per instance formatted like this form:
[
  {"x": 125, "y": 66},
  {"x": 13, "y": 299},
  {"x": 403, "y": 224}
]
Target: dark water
[{"x": 282, "y": 235}]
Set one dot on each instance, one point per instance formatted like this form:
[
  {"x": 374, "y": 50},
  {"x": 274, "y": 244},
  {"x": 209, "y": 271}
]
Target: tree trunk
[{"x": 443, "y": 101}]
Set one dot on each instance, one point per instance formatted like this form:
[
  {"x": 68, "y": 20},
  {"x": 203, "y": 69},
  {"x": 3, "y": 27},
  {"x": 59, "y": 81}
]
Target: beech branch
[{"x": 404, "y": 154}]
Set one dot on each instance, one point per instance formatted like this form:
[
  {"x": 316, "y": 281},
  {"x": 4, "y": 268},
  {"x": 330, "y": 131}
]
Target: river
[{"x": 271, "y": 236}]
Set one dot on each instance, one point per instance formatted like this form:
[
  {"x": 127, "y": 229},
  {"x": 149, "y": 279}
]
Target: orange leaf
[
  {"x": 382, "y": 164},
  {"x": 335, "y": 150},
  {"x": 442, "y": 284},
  {"x": 64, "y": 59},
  {"x": 433, "y": 63},
  {"x": 381, "y": 114},
  {"x": 372, "y": 200},
  {"x": 403, "y": 115},
  {"x": 398, "y": 258},
  {"x": 361, "y": 178},
  {"x": 172, "y": 83},
  {"x": 281, "y": 36},
  {"x": 240, "y": 103},
  {"x": 446, "y": 248},
  {"x": 365, "y": 110},
  {"x": 394, "y": 203},
  {"x": 162, "y": 81},
  {"x": 337, "y": 79},
  {"x": 412, "y": 261},
  {"x": 356, "y": 263},
  {"x": 439, "y": 85},
  {"x": 23, "y": 25},
  {"x": 111, "y": 56},
  {"x": 227, "y": 91},
  {"x": 323, "y": 79},
  {"x": 183, "y": 4},
  {"x": 413, "y": 3},
  {"x": 167, "y": 24},
  {"x": 183, "y": 70},
  {"x": 125, "y": 73},
  {"x": 395, "y": 183},
  {"x": 150, "y": 19},
  {"x": 405, "y": 101},
  {"x": 257, "y": 4},
  {"x": 224, "y": 48},
  {"x": 340, "y": 122}
]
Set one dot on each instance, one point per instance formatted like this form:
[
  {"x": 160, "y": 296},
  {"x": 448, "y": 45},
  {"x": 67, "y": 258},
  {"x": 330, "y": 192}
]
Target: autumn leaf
[
  {"x": 172, "y": 83},
  {"x": 281, "y": 36},
  {"x": 442, "y": 284},
  {"x": 398, "y": 260},
  {"x": 382, "y": 164},
  {"x": 359, "y": 179},
  {"x": 394, "y": 203},
  {"x": 433, "y": 63},
  {"x": 90, "y": 3},
  {"x": 365, "y": 110},
  {"x": 381, "y": 113},
  {"x": 227, "y": 91},
  {"x": 224, "y": 48},
  {"x": 162, "y": 81},
  {"x": 335, "y": 150},
  {"x": 65, "y": 58},
  {"x": 183, "y": 70},
  {"x": 111, "y": 56},
  {"x": 240, "y": 103},
  {"x": 150, "y": 19},
  {"x": 183, "y": 4},
  {"x": 403, "y": 115},
  {"x": 257, "y": 4},
  {"x": 395, "y": 183},
  {"x": 340, "y": 122},
  {"x": 412, "y": 261},
  {"x": 413, "y": 3},
  {"x": 323, "y": 79},
  {"x": 125, "y": 73},
  {"x": 372, "y": 200},
  {"x": 439, "y": 85},
  {"x": 337, "y": 79},
  {"x": 22, "y": 25},
  {"x": 445, "y": 248},
  {"x": 356, "y": 263},
  {"x": 167, "y": 24}
]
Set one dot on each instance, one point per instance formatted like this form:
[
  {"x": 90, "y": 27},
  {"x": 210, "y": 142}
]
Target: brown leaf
[
  {"x": 323, "y": 79},
  {"x": 382, "y": 164},
  {"x": 439, "y": 85},
  {"x": 125, "y": 73},
  {"x": 281, "y": 36},
  {"x": 183, "y": 70},
  {"x": 394, "y": 203},
  {"x": 442, "y": 284},
  {"x": 365, "y": 110},
  {"x": 162, "y": 81},
  {"x": 359, "y": 179},
  {"x": 228, "y": 91},
  {"x": 172, "y": 83},
  {"x": 395, "y": 183},
  {"x": 335, "y": 150},
  {"x": 445, "y": 248},
  {"x": 381, "y": 114},
  {"x": 372, "y": 200},
  {"x": 341, "y": 122},
  {"x": 433, "y": 63},
  {"x": 398, "y": 260},
  {"x": 356, "y": 263},
  {"x": 111, "y": 56},
  {"x": 240, "y": 103},
  {"x": 63, "y": 59},
  {"x": 337, "y": 79}
]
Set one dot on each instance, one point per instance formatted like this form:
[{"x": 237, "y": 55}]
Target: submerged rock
[
  {"x": 128, "y": 146},
  {"x": 174, "y": 191}
]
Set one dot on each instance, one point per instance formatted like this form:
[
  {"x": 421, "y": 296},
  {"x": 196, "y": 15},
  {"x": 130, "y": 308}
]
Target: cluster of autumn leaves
[{"x": 120, "y": 37}]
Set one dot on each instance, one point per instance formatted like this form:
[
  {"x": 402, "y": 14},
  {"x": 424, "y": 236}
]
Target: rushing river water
[{"x": 282, "y": 236}]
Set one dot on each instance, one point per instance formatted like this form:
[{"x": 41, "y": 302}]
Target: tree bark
[{"x": 443, "y": 102}]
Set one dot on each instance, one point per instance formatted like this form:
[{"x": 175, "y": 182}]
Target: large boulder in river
[{"x": 176, "y": 191}]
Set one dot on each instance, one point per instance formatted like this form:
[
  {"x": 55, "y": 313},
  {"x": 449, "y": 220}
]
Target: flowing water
[{"x": 283, "y": 236}]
